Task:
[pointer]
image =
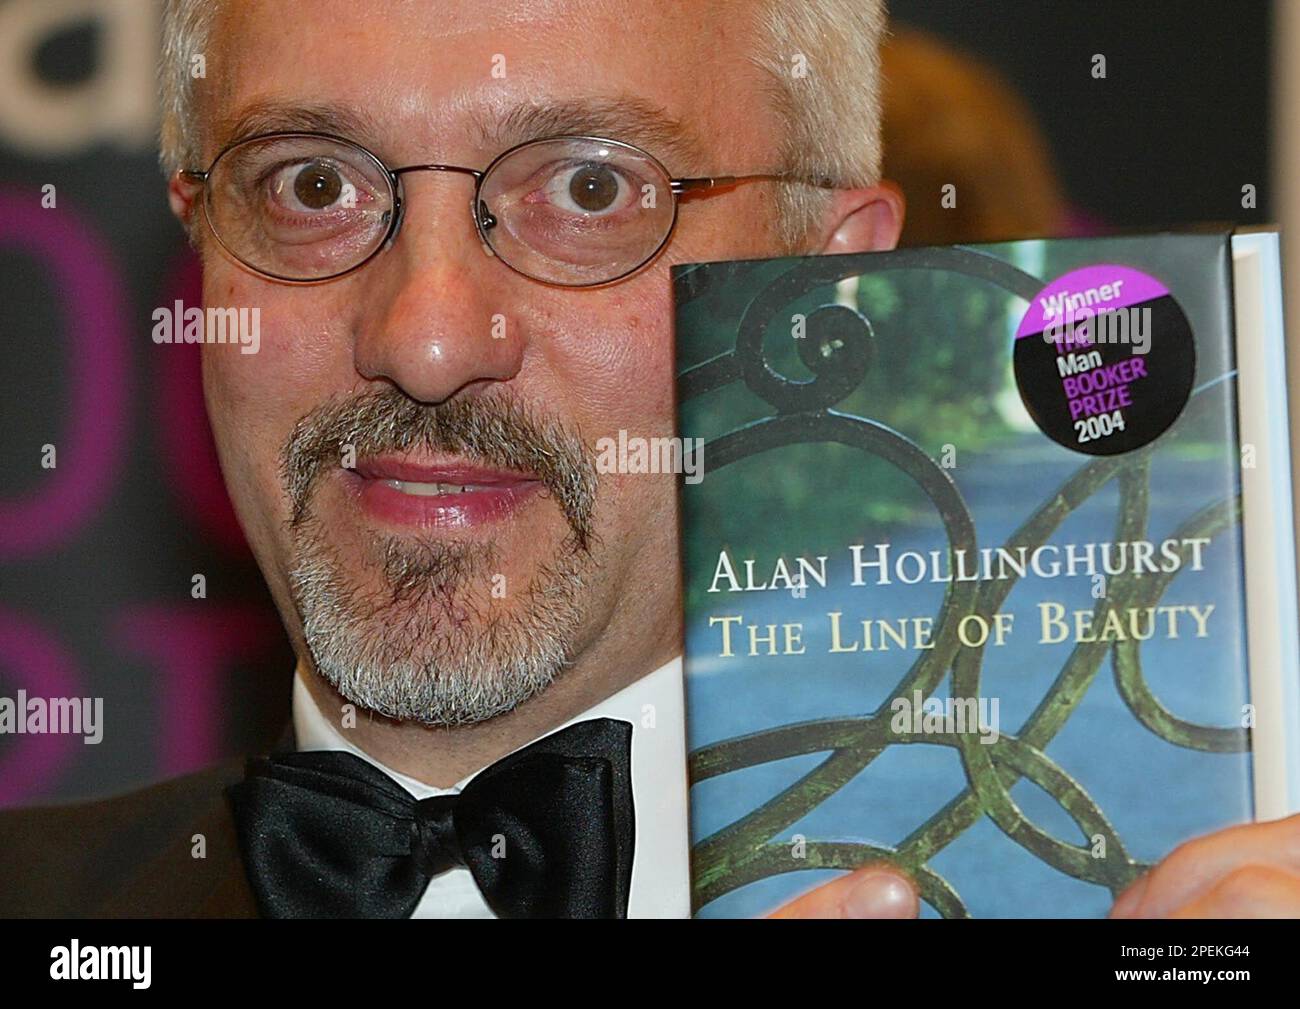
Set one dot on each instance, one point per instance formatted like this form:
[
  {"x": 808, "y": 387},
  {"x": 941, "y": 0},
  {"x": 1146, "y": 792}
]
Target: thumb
[{"x": 872, "y": 891}]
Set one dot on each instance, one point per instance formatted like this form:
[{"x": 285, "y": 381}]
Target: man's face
[{"x": 439, "y": 367}]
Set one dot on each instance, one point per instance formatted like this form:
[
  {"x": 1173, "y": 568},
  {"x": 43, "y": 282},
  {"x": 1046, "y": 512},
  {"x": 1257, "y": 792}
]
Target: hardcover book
[{"x": 988, "y": 566}]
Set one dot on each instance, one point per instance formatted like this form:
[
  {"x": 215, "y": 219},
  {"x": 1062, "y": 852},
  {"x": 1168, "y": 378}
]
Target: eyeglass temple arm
[
  {"x": 193, "y": 175},
  {"x": 680, "y": 186}
]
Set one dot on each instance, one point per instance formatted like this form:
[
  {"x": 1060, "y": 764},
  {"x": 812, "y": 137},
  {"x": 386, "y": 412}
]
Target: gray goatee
[{"x": 413, "y": 645}]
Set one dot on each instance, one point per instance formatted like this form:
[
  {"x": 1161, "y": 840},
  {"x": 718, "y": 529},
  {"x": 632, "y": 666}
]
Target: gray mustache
[{"x": 497, "y": 431}]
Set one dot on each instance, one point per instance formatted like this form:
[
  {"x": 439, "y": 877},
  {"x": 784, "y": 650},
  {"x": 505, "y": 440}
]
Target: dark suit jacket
[{"x": 130, "y": 856}]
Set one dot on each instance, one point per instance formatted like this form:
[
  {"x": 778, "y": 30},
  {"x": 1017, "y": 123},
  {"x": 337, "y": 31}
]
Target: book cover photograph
[{"x": 987, "y": 564}]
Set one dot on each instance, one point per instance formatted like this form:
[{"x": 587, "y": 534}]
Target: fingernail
[
  {"x": 1130, "y": 899},
  {"x": 881, "y": 894}
]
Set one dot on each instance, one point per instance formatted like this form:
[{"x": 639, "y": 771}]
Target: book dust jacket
[{"x": 963, "y": 569}]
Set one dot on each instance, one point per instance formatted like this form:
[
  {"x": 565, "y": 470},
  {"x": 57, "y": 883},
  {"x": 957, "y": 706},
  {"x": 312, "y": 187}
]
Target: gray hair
[{"x": 821, "y": 58}]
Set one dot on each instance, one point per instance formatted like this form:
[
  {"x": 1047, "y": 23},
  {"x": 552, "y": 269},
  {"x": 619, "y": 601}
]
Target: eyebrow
[
  {"x": 279, "y": 117},
  {"x": 629, "y": 119}
]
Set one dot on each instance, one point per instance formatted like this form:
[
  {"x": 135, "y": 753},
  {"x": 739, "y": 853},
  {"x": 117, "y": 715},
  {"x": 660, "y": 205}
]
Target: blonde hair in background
[
  {"x": 950, "y": 119},
  {"x": 821, "y": 57}
]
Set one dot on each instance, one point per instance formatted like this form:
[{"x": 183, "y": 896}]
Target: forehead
[{"x": 462, "y": 78}]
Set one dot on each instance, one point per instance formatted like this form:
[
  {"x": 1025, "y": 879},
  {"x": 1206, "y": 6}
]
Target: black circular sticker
[{"x": 1104, "y": 359}]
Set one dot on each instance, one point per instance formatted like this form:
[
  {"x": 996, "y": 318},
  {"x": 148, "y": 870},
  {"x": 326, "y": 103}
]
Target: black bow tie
[{"x": 547, "y": 831}]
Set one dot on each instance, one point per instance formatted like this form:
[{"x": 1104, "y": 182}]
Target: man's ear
[
  {"x": 863, "y": 220},
  {"x": 181, "y": 197}
]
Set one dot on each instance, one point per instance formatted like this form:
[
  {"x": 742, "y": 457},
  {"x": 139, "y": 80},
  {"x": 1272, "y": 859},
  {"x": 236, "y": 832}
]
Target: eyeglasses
[{"x": 570, "y": 211}]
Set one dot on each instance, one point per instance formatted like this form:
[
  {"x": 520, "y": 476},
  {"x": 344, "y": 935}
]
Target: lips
[{"x": 448, "y": 494}]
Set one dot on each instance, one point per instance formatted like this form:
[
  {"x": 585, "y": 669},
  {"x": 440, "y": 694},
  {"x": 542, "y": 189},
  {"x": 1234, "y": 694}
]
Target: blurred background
[{"x": 1189, "y": 116}]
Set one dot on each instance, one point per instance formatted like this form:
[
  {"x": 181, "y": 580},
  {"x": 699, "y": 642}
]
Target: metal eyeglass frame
[{"x": 479, "y": 212}]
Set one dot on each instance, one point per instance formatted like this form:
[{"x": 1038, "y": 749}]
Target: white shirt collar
[{"x": 654, "y": 705}]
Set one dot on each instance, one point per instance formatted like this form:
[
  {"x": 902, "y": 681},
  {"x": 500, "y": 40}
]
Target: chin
[{"x": 432, "y": 632}]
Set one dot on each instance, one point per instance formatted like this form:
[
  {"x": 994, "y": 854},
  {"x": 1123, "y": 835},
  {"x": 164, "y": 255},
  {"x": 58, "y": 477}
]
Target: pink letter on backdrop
[
  {"x": 186, "y": 439},
  {"x": 33, "y": 661},
  {"x": 193, "y": 648},
  {"x": 90, "y": 445}
]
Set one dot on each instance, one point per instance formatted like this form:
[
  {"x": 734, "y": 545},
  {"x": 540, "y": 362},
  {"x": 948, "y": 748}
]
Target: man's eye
[
  {"x": 316, "y": 185},
  {"x": 593, "y": 188}
]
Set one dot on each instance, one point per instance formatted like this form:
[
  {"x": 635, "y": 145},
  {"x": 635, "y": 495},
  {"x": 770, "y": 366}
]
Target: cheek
[
  {"x": 616, "y": 359},
  {"x": 297, "y": 349},
  {"x": 613, "y": 364},
  {"x": 254, "y": 400}
]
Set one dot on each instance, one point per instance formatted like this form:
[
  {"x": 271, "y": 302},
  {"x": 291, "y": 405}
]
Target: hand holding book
[
  {"x": 873, "y": 891},
  {"x": 1249, "y": 871},
  {"x": 1252, "y": 870}
]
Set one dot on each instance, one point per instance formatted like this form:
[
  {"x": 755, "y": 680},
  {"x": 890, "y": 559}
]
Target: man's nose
[{"x": 434, "y": 319}]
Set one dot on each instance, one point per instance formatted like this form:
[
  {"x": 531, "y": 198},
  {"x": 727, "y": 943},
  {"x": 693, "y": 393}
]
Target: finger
[
  {"x": 1130, "y": 899},
  {"x": 872, "y": 891},
  {"x": 1253, "y": 891},
  {"x": 1193, "y": 868}
]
